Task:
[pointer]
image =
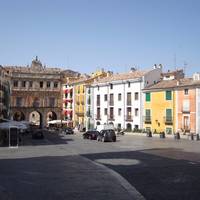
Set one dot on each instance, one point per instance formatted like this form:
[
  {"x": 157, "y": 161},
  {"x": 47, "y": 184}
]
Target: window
[
  {"x": 30, "y": 84},
  {"x": 136, "y": 96},
  {"x": 19, "y": 101},
  {"x": 48, "y": 84},
  {"x": 105, "y": 97},
  {"x": 98, "y": 100},
  {"x": 41, "y": 84},
  {"x": 168, "y": 95},
  {"x": 119, "y": 111},
  {"x": 98, "y": 113},
  {"x": 168, "y": 115},
  {"x": 111, "y": 113},
  {"x": 23, "y": 83},
  {"x": 98, "y": 88},
  {"x": 148, "y": 96},
  {"x": 111, "y": 86},
  {"x": 128, "y": 99},
  {"x": 36, "y": 102},
  {"x": 136, "y": 111},
  {"x": 129, "y": 84},
  {"x": 129, "y": 112},
  {"x": 111, "y": 99},
  {"x": 51, "y": 102},
  {"x": 147, "y": 115},
  {"x": 186, "y": 91},
  {"x": 119, "y": 97},
  {"x": 186, "y": 105},
  {"x": 105, "y": 111},
  {"x": 55, "y": 84},
  {"x": 15, "y": 83}
]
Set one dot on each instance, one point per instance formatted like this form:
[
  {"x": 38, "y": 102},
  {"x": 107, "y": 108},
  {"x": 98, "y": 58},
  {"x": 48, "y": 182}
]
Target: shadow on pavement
[
  {"x": 156, "y": 177},
  {"x": 57, "y": 177}
]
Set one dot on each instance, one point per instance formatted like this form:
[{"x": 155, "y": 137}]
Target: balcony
[
  {"x": 129, "y": 118},
  {"x": 147, "y": 119},
  {"x": 168, "y": 120},
  {"x": 111, "y": 118}
]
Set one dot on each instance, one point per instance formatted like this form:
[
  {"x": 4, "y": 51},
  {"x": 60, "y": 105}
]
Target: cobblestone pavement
[{"x": 68, "y": 167}]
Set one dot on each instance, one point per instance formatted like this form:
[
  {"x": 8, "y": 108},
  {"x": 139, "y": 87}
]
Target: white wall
[
  {"x": 198, "y": 110},
  {"x": 122, "y": 88}
]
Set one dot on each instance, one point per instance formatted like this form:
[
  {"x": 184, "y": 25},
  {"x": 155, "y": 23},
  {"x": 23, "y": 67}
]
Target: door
[{"x": 186, "y": 123}]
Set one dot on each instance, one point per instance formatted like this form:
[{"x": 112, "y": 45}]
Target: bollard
[
  {"x": 177, "y": 136},
  {"x": 197, "y": 137}
]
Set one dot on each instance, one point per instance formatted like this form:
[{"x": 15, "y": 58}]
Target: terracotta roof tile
[{"x": 165, "y": 84}]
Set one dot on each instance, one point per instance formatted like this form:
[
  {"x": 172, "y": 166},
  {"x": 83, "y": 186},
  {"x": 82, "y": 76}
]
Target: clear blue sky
[{"x": 85, "y": 35}]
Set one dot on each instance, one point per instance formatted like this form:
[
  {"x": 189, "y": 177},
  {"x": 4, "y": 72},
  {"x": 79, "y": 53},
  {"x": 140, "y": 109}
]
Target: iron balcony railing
[
  {"x": 129, "y": 118},
  {"x": 168, "y": 120}
]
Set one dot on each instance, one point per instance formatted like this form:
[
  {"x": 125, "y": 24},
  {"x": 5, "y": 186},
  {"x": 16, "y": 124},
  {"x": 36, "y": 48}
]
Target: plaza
[{"x": 68, "y": 167}]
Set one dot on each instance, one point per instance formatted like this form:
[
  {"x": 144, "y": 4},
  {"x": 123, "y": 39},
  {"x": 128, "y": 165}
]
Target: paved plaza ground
[{"x": 68, "y": 167}]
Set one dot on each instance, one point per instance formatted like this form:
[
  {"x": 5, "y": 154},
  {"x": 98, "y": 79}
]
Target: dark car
[
  {"x": 68, "y": 131},
  {"x": 92, "y": 135},
  {"x": 107, "y": 136},
  {"x": 38, "y": 134}
]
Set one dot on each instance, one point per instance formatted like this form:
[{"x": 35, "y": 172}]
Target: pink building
[{"x": 188, "y": 105}]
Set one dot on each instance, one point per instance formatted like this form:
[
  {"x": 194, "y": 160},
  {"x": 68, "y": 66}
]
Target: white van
[{"x": 104, "y": 127}]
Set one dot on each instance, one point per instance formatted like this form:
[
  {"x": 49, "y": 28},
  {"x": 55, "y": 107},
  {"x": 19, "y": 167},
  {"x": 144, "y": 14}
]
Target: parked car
[
  {"x": 68, "y": 131},
  {"x": 107, "y": 136},
  {"x": 92, "y": 135},
  {"x": 38, "y": 134}
]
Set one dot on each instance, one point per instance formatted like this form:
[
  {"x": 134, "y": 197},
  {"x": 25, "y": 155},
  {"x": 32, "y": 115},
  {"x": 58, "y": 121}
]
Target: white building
[{"x": 118, "y": 99}]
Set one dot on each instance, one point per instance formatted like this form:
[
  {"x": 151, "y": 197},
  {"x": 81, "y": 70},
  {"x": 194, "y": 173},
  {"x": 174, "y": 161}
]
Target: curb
[{"x": 125, "y": 184}]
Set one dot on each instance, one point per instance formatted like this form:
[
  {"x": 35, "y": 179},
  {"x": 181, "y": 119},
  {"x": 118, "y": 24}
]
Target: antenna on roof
[{"x": 175, "y": 61}]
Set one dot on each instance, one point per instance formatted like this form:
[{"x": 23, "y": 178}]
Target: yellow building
[
  {"x": 160, "y": 104},
  {"x": 79, "y": 88},
  {"x": 159, "y": 110}
]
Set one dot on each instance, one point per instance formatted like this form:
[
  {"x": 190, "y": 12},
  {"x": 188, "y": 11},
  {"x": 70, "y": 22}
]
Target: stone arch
[
  {"x": 18, "y": 116},
  {"x": 98, "y": 123},
  {"x": 129, "y": 127},
  {"x": 51, "y": 115},
  {"x": 35, "y": 117}
]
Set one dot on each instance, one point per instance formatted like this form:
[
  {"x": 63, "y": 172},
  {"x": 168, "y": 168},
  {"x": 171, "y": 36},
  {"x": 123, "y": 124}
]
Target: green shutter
[
  {"x": 148, "y": 96},
  {"x": 148, "y": 112},
  {"x": 168, "y": 112},
  {"x": 168, "y": 95}
]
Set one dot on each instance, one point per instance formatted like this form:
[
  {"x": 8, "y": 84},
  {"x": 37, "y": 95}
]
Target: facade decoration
[{"x": 36, "y": 92}]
